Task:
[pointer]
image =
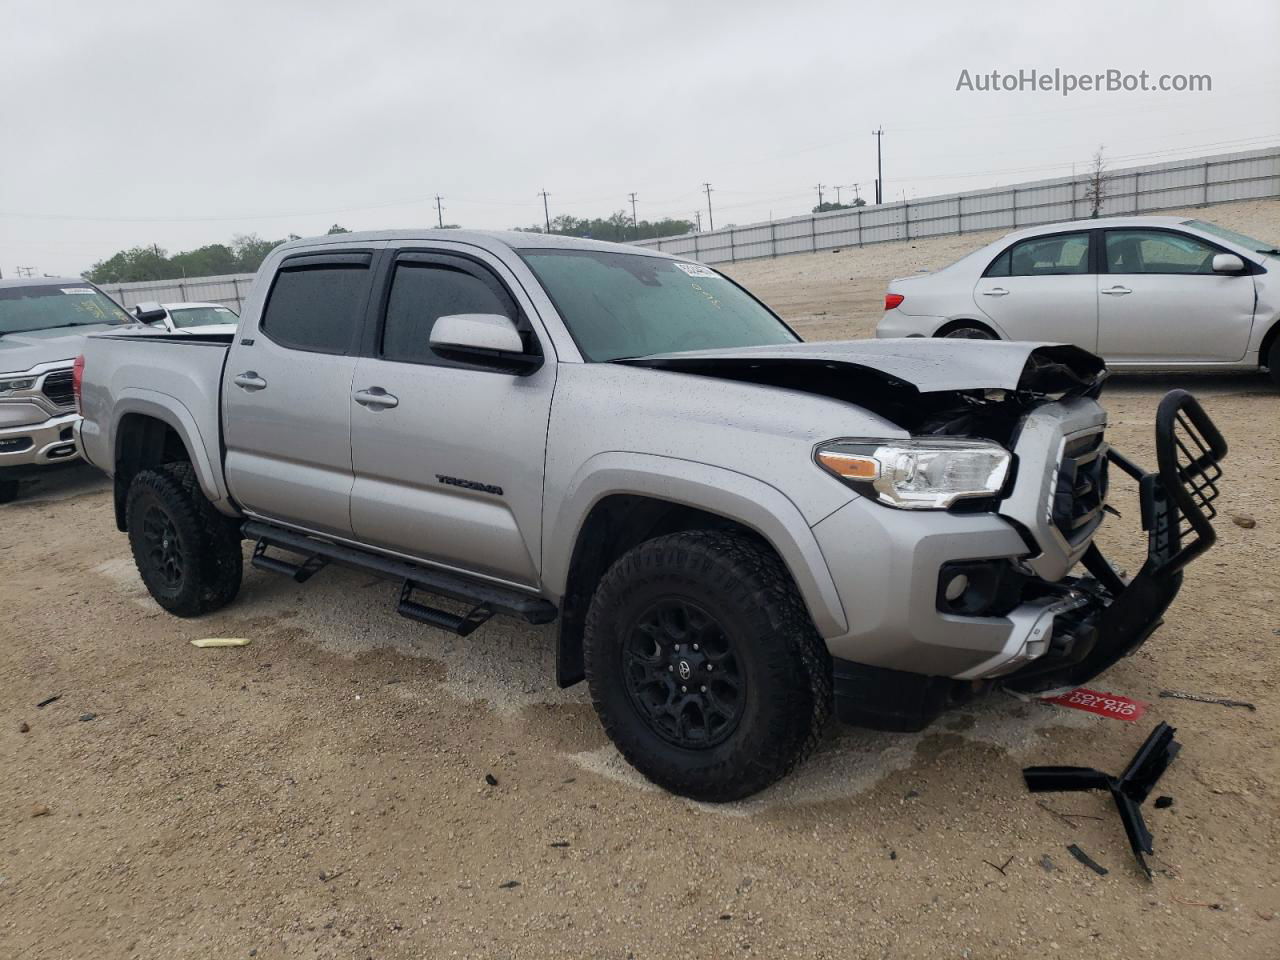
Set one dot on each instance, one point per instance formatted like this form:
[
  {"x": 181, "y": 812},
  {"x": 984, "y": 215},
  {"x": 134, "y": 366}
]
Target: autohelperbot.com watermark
[{"x": 1066, "y": 82}]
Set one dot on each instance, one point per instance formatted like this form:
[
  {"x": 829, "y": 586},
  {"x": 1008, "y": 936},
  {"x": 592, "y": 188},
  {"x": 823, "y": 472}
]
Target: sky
[{"x": 181, "y": 124}]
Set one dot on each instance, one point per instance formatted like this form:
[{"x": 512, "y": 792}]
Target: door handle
[
  {"x": 377, "y": 398},
  {"x": 995, "y": 292},
  {"x": 1116, "y": 291},
  {"x": 249, "y": 380}
]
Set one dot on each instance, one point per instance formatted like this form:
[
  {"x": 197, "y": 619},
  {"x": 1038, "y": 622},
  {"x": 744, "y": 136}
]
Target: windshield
[
  {"x": 184, "y": 317},
  {"x": 41, "y": 307},
  {"x": 620, "y": 305},
  {"x": 1257, "y": 246}
]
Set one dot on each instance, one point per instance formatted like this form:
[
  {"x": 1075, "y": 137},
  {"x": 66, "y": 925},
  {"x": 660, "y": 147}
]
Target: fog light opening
[{"x": 956, "y": 587}]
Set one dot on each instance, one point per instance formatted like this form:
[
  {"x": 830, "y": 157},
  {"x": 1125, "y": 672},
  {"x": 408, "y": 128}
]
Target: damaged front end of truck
[{"x": 1067, "y": 613}]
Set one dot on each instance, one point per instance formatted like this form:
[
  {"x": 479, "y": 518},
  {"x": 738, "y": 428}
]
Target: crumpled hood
[
  {"x": 19, "y": 352},
  {"x": 927, "y": 365}
]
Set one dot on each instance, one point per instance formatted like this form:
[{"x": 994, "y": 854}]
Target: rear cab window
[{"x": 317, "y": 302}]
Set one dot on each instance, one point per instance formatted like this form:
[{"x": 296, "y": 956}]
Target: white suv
[{"x": 1140, "y": 291}]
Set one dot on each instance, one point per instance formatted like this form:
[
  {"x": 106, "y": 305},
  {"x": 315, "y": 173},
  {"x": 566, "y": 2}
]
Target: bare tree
[{"x": 1095, "y": 191}]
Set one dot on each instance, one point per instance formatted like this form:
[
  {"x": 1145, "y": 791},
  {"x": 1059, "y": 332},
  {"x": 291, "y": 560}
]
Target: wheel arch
[
  {"x": 958, "y": 322},
  {"x": 149, "y": 433},
  {"x": 1268, "y": 340},
  {"x": 625, "y": 499}
]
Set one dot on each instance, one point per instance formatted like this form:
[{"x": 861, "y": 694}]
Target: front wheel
[
  {"x": 704, "y": 666},
  {"x": 187, "y": 553},
  {"x": 1273, "y": 361},
  {"x": 8, "y": 489}
]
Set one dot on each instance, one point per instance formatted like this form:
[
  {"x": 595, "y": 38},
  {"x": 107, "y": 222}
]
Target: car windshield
[
  {"x": 44, "y": 306},
  {"x": 184, "y": 317},
  {"x": 621, "y": 305},
  {"x": 1257, "y": 246}
]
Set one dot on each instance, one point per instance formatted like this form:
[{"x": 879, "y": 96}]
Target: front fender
[
  {"x": 735, "y": 496},
  {"x": 205, "y": 460}
]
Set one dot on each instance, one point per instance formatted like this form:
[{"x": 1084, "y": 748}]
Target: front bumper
[
  {"x": 40, "y": 444},
  {"x": 904, "y": 660}
]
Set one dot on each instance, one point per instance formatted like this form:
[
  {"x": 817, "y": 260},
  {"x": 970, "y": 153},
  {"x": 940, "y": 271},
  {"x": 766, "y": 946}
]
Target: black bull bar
[{"x": 1177, "y": 514}]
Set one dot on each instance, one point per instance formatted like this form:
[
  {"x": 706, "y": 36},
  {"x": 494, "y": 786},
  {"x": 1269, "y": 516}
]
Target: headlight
[
  {"x": 16, "y": 384},
  {"x": 918, "y": 474}
]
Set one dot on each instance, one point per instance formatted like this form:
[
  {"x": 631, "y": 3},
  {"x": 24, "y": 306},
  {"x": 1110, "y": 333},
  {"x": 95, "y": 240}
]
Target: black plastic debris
[
  {"x": 1129, "y": 790},
  {"x": 490, "y": 779},
  {"x": 48, "y": 700},
  {"x": 1087, "y": 860},
  {"x": 1163, "y": 802}
]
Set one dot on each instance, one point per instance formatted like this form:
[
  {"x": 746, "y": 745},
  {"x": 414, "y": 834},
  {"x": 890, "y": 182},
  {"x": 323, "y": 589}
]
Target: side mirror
[
  {"x": 489, "y": 339},
  {"x": 1227, "y": 263},
  {"x": 149, "y": 312}
]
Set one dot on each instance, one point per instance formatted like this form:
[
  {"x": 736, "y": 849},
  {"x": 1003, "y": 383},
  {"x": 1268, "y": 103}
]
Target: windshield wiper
[{"x": 1272, "y": 251}]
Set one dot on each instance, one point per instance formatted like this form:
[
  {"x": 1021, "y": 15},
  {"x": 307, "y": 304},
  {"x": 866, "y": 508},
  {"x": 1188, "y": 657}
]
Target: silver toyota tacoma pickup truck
[
  {"x": 43, "y": 321},
  {"x": 738, "y": 532}
]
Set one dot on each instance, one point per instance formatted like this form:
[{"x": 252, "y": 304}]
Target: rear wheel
[
  {"x": 968, "y": 332},
  {"x": 187, "y": 553},
  {"x": 704, "y": 665}
]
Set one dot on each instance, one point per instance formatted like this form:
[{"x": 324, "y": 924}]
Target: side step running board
[{"x": 486, "y": 599}]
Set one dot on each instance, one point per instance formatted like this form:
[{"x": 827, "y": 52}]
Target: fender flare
[
  {"x": 174, "y": 413},
  {"x": 735, "y": 496}
]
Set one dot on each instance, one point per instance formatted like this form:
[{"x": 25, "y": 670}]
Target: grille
[
  {"x": 57, "y": 387},
  {"x": 1081, "y": 492}
]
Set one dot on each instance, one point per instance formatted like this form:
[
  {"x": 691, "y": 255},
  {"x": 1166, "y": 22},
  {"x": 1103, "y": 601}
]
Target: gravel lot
[{"x": 322, "y": 792}]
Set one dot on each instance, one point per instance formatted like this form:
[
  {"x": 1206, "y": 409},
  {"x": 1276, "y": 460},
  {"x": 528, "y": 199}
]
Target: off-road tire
[
  {"x": 743, "y": 585},
  {"x": 206, "y": 543},
  {"x": 8, "y": 489}
]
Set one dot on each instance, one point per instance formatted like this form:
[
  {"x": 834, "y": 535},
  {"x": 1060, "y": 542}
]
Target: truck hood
[
  {"x": 928, "y": 387},
  {"x": 20, "y": 352},
  {"x": 923, "y": 365}
]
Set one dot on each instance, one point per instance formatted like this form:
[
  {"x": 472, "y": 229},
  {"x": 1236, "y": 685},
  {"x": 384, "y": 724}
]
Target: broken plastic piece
[
  {"x": 1087, "y": 860},
  {"x": 1129, "y": 790},
  {"x": 221, "y": 642},
  {"x": 1200, "y": 698}
]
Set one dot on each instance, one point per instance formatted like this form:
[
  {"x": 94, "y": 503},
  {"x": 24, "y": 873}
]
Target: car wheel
[
  {"x": 704, "y": 666},
  {"x": 187, "y": 553},
  {"x": 8, "y": 489},
  {"x": 968, "y": 333},
  {"x": 1273, "y": 361}
]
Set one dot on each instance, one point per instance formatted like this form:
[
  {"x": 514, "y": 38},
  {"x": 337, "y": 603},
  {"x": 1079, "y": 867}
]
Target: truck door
[
  {"x": 286, "y": 394},
  {"x": 449, "y": 456}
]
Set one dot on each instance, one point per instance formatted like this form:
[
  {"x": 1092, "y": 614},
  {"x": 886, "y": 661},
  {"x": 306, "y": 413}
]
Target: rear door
[
  {"x": 286, "y": 394},
  {"x": 1159, "y": 300},
  {"x": 449, "y": 460},
  {"x": 1043, "y": 288}
]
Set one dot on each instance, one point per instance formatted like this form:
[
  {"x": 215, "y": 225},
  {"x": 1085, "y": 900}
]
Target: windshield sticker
[
  {"x": 88, "y": 290},
  {"x": 695, "y": 269}
]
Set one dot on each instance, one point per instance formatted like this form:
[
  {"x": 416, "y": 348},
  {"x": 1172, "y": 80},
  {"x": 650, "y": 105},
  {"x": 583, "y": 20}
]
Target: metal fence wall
[
  {"x": 1146, "y": 189},
  {"x": 229, "y": 290}
]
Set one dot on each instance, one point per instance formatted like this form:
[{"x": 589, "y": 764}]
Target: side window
[
  {"x": 999, "y": 266},
  {"x": 1063, "y": 253},
  {"x": 1157, "y": 251},
  {"x": 317, "y": 308},
  {"x": 422, "y": 293}
]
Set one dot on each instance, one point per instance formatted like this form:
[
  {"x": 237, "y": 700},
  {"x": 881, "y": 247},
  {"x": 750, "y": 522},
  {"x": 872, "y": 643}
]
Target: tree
[
  {"x": 825, "y": 207},
  {"x": 134, "y": 264},
  {"x": 616, "y": 227},
  {"x": 336, "y": 228},
  {"x": 1095, "y": 191}
]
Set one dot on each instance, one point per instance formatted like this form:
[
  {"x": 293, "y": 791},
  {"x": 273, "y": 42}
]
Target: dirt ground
[{"x": 322, "y": 792}]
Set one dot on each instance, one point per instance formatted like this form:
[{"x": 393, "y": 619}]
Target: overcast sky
[{"x": 183, "y": 123}]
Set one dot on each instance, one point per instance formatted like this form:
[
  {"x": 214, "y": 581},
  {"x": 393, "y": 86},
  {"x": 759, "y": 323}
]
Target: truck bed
[{"x": 183, "y": 377}]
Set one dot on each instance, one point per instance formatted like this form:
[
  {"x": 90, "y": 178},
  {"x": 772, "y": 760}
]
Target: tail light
[
  {"x": 892, "y": 300},
  {"x": 77, "y": 382}
]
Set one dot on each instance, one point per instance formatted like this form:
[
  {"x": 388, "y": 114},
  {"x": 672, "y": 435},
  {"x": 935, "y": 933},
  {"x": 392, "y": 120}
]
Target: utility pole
[
  {"x": 838, "y": 195},
  {"x": 635, "y": 224},
  {"x": 856, "y": 194},
  {"x": 711, "y": 220},
  {"x": 546, "y": 213},
  {"x": 697, "y": 217},
  {"x": 878, "y": 134},
  {"x": 820, "y": 186},
  {"x": 439, "y": 212}
]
